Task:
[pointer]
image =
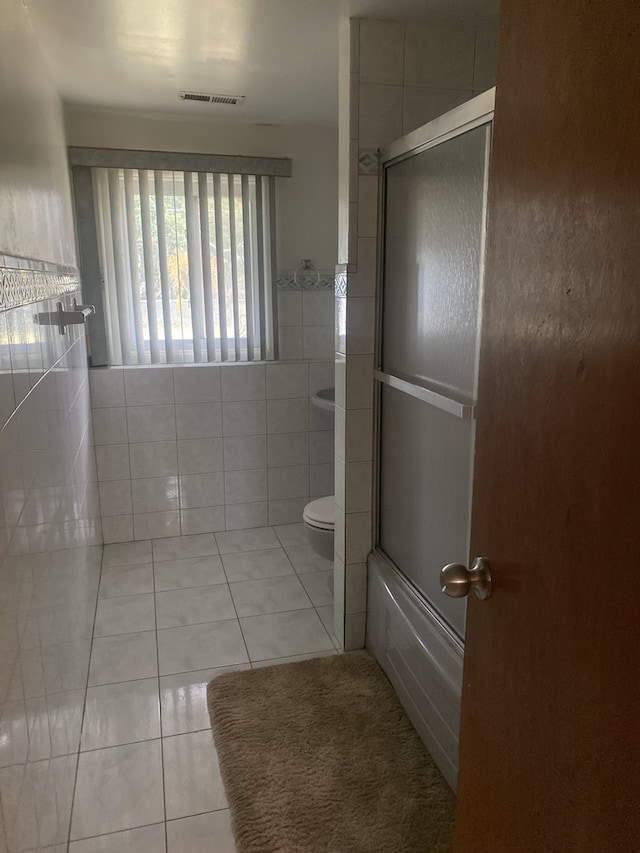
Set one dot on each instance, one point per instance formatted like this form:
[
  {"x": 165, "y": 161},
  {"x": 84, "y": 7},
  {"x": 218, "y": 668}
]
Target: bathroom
[{"x": 194, "y": 476}]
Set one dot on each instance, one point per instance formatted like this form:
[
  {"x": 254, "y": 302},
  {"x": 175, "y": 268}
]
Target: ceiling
[{"x": 281, "y": 54}]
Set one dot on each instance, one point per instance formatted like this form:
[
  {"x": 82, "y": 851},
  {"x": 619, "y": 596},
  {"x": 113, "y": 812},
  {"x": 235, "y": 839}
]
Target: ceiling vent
[{"x": 227, "y": 100}]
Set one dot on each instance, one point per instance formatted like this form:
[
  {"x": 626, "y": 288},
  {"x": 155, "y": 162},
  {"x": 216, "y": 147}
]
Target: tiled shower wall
[
  {"x": 393, "y": 78},
  {"x": 204, "y": 448}
]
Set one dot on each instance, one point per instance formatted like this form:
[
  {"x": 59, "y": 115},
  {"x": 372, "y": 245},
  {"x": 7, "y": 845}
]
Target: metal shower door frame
[{"x": 472, "y": 114}]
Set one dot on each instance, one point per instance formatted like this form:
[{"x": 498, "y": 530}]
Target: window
[{"x": 181, "y": 261}]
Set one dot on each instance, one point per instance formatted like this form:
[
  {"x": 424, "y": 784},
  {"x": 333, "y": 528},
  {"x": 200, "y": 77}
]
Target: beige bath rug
[{"x": 318, "y": 756}]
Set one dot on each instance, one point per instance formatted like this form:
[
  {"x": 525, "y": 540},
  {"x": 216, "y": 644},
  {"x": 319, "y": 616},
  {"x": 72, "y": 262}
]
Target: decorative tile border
[
  {"x": 23, "y": 286},
  {"x": 341, "y": 284},
  {"x": 305, "y": 281},
  {"x": 368, "y": 161}
]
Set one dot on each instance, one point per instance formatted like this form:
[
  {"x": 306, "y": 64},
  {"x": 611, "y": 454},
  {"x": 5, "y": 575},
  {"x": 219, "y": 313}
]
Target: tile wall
[
  {"x": 50, "y": 552},
  {"x": 393, "y": 78},
  {"x": 204, "y": 448}
]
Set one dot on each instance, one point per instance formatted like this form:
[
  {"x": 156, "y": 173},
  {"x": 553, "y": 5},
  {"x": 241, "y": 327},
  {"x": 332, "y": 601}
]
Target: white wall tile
[
  {"x": 110, "y": 426},
  {"x": 321, "y": 446},
  {"x": 421, "y": 105},
  {"x": 321, "y": 375},
  {"x": 287, "y": 415},
  {"x": 199, "y": 420},
  {"x": 358, "y": 486},
  {"x": 115, "y": 497},
  {"x": 359, "y": 435},
  {"x": 113, "y": 461},
  {"x": 321, "y": 419},
  {"x": 318, "y": 342},
  {"x": 321, "y": 480},
  {"x": 245, "y": 451},
  {"x": 243, "y": 487},
  {"x": 107, "y": 387},
  {"x": 360, "y": 325},
  {"x": 380, "y": 114},
  {"x": 151, "y": 423},
  {"x": 200, "y": 455},
  {"x": 156, "y": 525},
  {"x": 355, "y": 600},
  {"x": 155, "y": 494},
  {"x": 198, "y": 490},
  {"x": 354, "y": 631},
  {"x": 367, "y": 209},
  {"x": 243, "y": 382},
  {"x": 289, "y": 308},
  {"x": 288, "y": 449},
  {"x": 357, "y": 536},
  {"x": 439, "y": 56},
  {"x": 286, "y": 511},
  {"x": 202, "y": 520},
  {"x": 290, "y": 343},
  {"x": 359, "y": 382},
  {"x": 148, "y": 386},
  {"x": 197, "y": 383},
  {"x": 317, "y": 307},
  {"x": 244, "y": 418},
  {"x": 153, "y": 459},
  {"x": 243, "y": 516},
  {"x": 381, "y": 52},
  {"x": 289, "y": 482},
  {"x": 287, "y": 380}
]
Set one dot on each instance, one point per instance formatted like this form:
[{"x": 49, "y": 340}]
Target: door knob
[{"x": 456, "y": 580}]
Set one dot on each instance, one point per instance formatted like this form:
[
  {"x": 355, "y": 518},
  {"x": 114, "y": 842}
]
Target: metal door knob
[{"x": 456, "y": 580}]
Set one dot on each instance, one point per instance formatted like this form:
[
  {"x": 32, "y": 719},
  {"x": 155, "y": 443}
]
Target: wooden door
[{"x": 550, "y": 738}]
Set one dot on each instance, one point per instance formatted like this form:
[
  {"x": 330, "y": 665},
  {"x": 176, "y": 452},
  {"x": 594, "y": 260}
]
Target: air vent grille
[{"x": 228, "y": 100}]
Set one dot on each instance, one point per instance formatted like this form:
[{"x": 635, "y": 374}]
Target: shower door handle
[{"x": 456, "y": 580}]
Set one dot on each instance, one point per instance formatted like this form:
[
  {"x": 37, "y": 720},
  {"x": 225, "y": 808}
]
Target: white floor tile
[
  {"x": 305, "y": 559},
  {"x": 292, "y": 659},
  {"x": 55, "y": 669},
  {"x": 193, "y": 571},
  {"x": 183, "y": 698},
  {"x": 319, "y": 586},
  {"x": 146, "y": 839},
  {"x": 192, "y": 781},
  {"x": 121, "y": 713},
  {"x": 183, "y": 547},
  {"x": 206, "y": 646},
  {"x": 36, "y": 802},
  {"x": 191, "y": 606},
  {"x": 203, "y": 832},
  {"x": 125, "y": 614},
  {"x": 126, "y": 657},
  {"x": 283, "y": 634},
  {"x": 59, "y": 625},
  {"x": 272, "y": 595},
  {"x": 255, "y": 565},
  {"x": 126, "y": 554},
  {"x": 254, "y": 539},
  {"x": 126, "y": 580},
  {"x": 118, "y": 788},
  {"x": 291, "y": 534}
]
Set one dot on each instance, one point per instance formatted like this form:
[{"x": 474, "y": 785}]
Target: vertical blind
[{"x": 188, "y": 265}]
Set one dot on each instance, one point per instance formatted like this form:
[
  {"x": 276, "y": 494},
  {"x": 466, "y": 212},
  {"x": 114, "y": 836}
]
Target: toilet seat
[{"x": 321, "y": 513}]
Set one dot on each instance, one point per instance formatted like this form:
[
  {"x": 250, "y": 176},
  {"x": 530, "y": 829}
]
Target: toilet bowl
[{"x": 319, "y": 519}]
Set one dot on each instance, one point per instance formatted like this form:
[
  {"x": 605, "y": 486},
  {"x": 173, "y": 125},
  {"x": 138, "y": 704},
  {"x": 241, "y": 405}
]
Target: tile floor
[{"x": 138, "y": 770}]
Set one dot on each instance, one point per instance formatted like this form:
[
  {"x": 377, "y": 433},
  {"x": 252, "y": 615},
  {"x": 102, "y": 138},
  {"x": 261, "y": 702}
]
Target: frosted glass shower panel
[
  {"x": 425, "y": 494},
  {"x": 433, "y": 252}
]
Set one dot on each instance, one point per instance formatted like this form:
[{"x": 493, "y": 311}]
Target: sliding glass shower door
[{"x": 433, "y": 241}]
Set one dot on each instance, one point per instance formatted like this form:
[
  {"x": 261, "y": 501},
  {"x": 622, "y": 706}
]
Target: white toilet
[{"x": 319, "y": 519}]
